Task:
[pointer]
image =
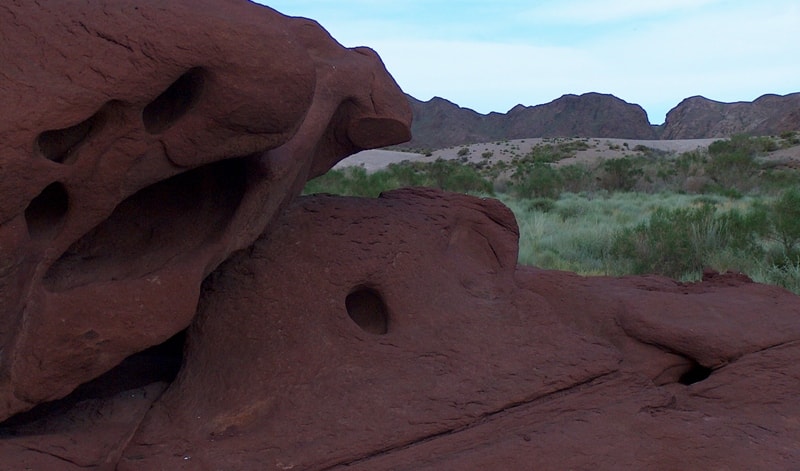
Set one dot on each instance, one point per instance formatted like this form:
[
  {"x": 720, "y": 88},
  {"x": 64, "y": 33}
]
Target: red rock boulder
[
  {"x": 143, "y": 142},
  {"x": 398, "y": 333}
]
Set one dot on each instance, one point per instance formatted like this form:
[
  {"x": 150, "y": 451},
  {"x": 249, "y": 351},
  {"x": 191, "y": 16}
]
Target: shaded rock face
[
  {"x": 698, "y": 117},
  {"x": 398, "y": 333},
  {"x": 439, "y": 123},
  {"x": 141, "y": 143}
]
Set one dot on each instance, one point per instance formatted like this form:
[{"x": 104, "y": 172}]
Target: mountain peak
[{"x": 440, "y": 123}]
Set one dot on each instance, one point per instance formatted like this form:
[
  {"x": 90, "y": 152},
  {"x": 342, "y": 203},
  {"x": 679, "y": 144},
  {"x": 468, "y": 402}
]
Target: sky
[{"x": 491, "y": 55}]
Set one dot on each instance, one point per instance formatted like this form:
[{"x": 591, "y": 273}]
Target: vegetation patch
[{"x": 724, "y": 208}]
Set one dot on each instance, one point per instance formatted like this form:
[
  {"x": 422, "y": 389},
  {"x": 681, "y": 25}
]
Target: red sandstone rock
[
  {"x": 140, "y": 144},
  {"x": 398, "y": 333}
]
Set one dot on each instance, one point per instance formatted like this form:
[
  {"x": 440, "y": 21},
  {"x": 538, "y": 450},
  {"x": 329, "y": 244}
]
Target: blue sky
[{"x": 491, "y": 55}]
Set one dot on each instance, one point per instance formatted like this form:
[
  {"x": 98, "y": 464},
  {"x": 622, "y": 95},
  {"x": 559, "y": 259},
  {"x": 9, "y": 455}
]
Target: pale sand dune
[
  {"x": 377, "y": 159},
  {"x": 599, "y": 148}
]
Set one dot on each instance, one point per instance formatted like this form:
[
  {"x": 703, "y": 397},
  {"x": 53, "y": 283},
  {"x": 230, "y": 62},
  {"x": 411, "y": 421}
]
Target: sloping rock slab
[{"x": 398, "y": 333}]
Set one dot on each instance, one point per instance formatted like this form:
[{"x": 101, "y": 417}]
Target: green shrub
[
  {"x": 537, "y": 179},
  {"x": 690, "y": 163},
  {"x": 620, "y": 174},
  {"x": 443, "y": 174},
  {"x": 744, "y": 229},
  {"x": 779, "y": 179},
  {"x": 672, "y": 243},
  {"x": 543, "y": 153},
  {"x": 452, "y": 176},
  {"x": 744, "y": 144},
  {"x": 733, "y": 170},
  {"x": 576, "y": 178},
  {"x": 786, "y": 275},
  {"x": 784, "y": 219}
]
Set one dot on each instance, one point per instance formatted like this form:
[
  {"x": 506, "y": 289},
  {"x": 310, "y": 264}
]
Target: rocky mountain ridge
[{"x": 440, "y": 123}]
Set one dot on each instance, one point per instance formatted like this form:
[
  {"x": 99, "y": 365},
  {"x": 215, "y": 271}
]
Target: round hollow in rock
[{"x": 367, "y": 309}]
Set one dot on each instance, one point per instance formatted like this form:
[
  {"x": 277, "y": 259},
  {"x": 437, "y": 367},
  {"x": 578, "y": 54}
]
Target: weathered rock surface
[
  {"x": 398, "y": 333},
  {"x": 141, "y": 143}
]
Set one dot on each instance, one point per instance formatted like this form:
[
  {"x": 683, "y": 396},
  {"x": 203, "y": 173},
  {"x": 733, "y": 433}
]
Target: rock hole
[
  {"x": 173, "y": 218},
  {"x": 157, "y": 364},
  {"x": 45, "y": 214},
  {"x": 367, "y": 309},
  {"x": 173, "y": 102},
  {"x": 695, "y": 374},
  {"x": 59, "y": 145}
]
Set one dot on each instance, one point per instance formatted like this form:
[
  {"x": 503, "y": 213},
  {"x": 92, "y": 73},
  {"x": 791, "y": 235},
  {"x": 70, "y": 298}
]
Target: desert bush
[
  {"x": 671, "y": 242},
  {"x": 776, "y": 180},
  {"x": 620, "y": 174},
  {"x": 744, "y": 230},
  {"x": 733, "y": 163},
  {"x": 690, "y": 164},
  {"x": 732, "y": 171},
  {"x": 550, "y": 153},
  {"x": 576, "y": 178},
  {"x": 443, "y": 174},
  {"x": 784, "y": 220},
  {"x": 537, "y": 179},
  {"x": 744, "y": 144},
  {"x": 451, "y": 176},
  {"x": 543, "y": 153},
  {"x": 650, "y": 152},
  {"x": 786, "y": 275},
  {"x": 571, "y": 147}
]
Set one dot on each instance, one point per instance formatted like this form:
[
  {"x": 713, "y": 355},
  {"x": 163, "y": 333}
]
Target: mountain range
[{"x": 440, "y": 123}]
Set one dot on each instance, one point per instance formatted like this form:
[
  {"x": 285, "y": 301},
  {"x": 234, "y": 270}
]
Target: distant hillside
[
  {"x": 698, "y": 117},
  {"x": 439, "y": 123}
]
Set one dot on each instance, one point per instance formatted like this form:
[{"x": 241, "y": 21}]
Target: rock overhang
[{"x": 142, "y": 144}]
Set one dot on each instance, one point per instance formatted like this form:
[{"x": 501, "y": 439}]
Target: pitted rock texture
[
  {"x": 475, "y": 363},
  {"x": 141, "y": 143},
  {"x": 399, "y": 333}
]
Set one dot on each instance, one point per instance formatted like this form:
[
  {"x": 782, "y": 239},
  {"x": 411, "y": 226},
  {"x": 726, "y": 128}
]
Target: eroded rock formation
[
  {"x": 141, "y": 144},
  {"x": 398, "y": 333}
]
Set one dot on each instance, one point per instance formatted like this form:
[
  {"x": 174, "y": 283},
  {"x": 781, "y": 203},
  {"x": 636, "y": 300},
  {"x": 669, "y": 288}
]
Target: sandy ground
[{"x": 603, "y": 148}]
